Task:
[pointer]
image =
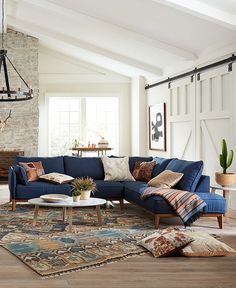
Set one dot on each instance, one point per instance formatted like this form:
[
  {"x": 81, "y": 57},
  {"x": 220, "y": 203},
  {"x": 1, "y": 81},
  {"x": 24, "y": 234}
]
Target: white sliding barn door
[
  {"x": 181, "y": 116},
  {"x": 200, "y": 114},
  {"x": 214, "y": 111}
]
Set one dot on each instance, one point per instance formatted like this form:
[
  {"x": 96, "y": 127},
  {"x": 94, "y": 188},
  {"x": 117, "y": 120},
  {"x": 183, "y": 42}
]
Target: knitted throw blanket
[{"x": 186, "y": 205}]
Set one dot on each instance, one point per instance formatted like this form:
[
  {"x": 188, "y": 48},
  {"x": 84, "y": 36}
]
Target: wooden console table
[{"x": 100, "y": 151}]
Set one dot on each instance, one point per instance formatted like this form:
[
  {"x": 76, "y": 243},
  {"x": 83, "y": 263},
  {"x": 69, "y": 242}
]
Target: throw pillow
[
  {"x": 204, "y": 245},
  {"x": 143, "y": 170},
  {"x": 166, "y": 242},
  {"x": 117, "y": 169},
  {"x": 165, "y": 179},
  {"x": 33, "y": 170},
  {"x": 57, "y": 178}
]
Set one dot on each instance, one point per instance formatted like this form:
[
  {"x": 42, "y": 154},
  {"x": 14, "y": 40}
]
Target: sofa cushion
[
  {"x": 203, "y": 184},
  {"x": 21, "y": 175},
  {"x": 154, "y": 204},
  {"x": 215, "y": 203},
  {"x": 37, "y": 188},
  {"x": 85, "y": 166},
  {"x": 161, "y": 164},
  {"x": 117, "y": 169},
  {"x": 143, "y": 170},
  {"x": 50, "y": 164},
  {"x": 133, "y": 159},
  {"x": 192, "y": 171},
  {"x": 109, "y": 189}
]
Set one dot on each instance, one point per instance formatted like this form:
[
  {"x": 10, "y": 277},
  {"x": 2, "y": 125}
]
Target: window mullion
[{"x": 83, "y": 119}]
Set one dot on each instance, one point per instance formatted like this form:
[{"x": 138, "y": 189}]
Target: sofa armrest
[
  {"x": 12, "y": 181},
  {"x": 203, "y": 185}
]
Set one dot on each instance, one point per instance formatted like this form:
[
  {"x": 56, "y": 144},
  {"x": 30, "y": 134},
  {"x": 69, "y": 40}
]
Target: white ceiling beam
[
  {"x": 105, "y": 29},
  {"x": 203, "y": 10},
  {"x": 86, "y": 51}
]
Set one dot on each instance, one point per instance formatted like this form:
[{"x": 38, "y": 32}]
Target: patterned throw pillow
[
  {"x": 57, "y": 178},
  {"x": 204, "y": 245},
  {"x": 143, "y": 170},
  {"x": 166, "y": 179},
  {"x": 117, "y": 169},
  {"x": 165, "y": 243},
  {"x": 33, "y": 170}
]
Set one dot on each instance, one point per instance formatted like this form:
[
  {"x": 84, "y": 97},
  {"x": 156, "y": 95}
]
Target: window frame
[{"x": 82, "y": 97}]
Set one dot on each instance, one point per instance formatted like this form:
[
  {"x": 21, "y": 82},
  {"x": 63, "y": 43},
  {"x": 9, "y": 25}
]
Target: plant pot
[
  {"x": 85, "y": 195},
  {"x": 76, "y": 198},
  {"x": 225, "y": 179}
]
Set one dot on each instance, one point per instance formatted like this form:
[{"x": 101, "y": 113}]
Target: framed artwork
[{"x": 157, "y": 127}]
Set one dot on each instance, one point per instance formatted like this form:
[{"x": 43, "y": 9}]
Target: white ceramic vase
[
  {"x": 85, "y": 195},
  {"x": 76, "y": 198}
]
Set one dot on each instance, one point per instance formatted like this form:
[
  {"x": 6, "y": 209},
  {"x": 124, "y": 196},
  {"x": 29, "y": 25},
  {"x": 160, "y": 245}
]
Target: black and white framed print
[{"x": 157, "y": 127}]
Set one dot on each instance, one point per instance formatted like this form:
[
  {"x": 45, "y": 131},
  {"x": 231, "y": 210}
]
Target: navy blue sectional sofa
[{"x": 192, "y": 181}]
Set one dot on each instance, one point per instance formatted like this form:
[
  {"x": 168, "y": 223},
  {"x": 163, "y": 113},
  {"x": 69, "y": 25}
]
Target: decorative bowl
[{"x": 54, "y": 198}]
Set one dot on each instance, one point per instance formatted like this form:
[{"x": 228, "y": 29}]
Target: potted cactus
[{"x": 226, "y": 158}]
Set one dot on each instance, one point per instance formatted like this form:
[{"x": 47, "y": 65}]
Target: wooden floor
[{"x": 142, "y": 271}]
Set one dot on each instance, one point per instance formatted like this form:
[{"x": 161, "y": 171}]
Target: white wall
[
  {"x": 199, "y": 115},
  {"x": 59, "y": 74},
  {"x": 156, "y": 95},
  {"x": 138, "y": 117}
]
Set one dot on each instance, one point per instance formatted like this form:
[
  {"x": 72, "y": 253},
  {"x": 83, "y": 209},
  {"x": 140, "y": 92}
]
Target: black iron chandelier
[{"x": 7, "y": 94}]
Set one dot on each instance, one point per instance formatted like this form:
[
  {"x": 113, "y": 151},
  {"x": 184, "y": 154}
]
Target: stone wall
[{"x": 21, "y": 131}]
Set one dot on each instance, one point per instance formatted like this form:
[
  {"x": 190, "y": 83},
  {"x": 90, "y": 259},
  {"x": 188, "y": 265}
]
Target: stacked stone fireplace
[{"x": 21, "y": 131}]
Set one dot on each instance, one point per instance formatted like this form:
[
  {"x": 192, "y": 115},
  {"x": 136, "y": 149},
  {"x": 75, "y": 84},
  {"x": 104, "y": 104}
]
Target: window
[{"x": 85, "y": 119}]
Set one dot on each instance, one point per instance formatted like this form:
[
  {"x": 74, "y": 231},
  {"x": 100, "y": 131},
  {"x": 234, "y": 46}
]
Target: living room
[{"x": 103, "y": 70}]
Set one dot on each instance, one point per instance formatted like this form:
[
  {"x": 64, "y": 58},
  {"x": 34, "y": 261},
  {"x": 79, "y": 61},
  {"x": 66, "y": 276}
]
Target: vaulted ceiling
[{"x": 131, "y": 37}]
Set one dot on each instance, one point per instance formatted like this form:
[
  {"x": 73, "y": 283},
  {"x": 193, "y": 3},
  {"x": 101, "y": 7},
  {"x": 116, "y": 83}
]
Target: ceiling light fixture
[{"x": 6, "y": 93}]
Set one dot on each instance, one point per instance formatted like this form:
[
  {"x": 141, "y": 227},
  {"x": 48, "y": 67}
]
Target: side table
[{"x": 226, "y": 190}]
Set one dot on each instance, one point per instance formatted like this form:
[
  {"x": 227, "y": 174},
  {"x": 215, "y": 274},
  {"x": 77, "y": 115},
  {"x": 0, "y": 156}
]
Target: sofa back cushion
[
  {"x": 21, "y": 175},
  {"x": 50, "y": 164},
  {"x": 203, "y": 184},
  {"x": 161, "y": 164},
  {"x": 82, "y": 167},
  {"x": 192, "y": 171},
  {"x": 133, "y": 159}
]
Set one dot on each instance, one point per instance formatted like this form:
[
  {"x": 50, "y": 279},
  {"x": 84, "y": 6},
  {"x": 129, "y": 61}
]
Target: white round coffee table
[{"x": 68, "y": 203}]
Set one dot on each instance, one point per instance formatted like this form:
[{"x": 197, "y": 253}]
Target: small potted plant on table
[
  {"x": 76, "y": 195},
  {"x": 83, "y": 187},
  {"x": 226, "y": 159}
]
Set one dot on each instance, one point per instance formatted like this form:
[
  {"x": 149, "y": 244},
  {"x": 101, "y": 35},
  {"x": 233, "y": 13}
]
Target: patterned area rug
[{"x": 50, "y": 250}]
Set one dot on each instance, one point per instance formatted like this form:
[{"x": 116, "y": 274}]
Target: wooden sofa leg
[
  {"x": 13, "y": 204},
  {"x": 122, "y": 206},
  {"x": 220, "y": 221},
  {"x": 157, "y": 221}
]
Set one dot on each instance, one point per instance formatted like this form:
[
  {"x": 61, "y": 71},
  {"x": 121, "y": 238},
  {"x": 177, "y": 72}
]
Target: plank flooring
[{"x": 141, "y": 271}]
